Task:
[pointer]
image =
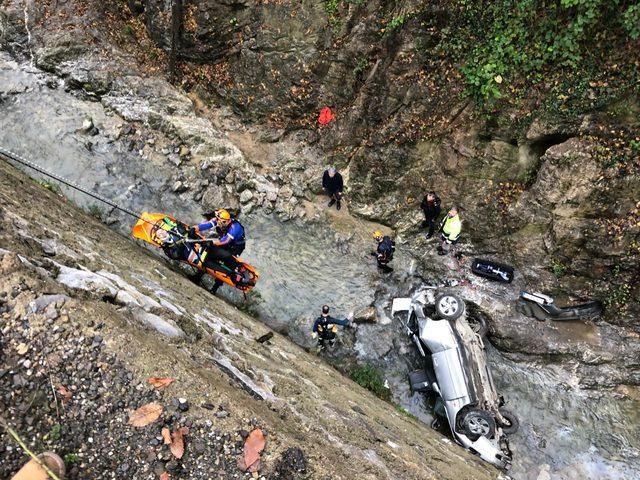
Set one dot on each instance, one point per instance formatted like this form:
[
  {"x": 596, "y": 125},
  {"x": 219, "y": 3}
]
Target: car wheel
[
  {"x": 511, "y": 423},
  {"x": 478, "y": 423},
  {"x": 449, "y": 306}
]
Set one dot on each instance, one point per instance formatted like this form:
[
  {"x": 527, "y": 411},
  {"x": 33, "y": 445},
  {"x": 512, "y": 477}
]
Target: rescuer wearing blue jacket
[
  {"x": 325, "y": 328},
  {"x": 230, "y": 241}
]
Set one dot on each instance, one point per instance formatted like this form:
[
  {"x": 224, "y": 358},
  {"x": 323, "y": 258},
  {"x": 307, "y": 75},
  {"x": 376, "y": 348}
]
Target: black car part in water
[
  {"x": 493, "y": 270},
  {"x": 543, "y": 307}
]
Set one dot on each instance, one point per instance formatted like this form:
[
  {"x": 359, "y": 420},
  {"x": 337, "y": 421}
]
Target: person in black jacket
[
  {"x": 325, "y": 328},
  {"x": 431, "y": 208},
  {"x": 384, "y": 251},
  {"x": 332, "y": 184}
]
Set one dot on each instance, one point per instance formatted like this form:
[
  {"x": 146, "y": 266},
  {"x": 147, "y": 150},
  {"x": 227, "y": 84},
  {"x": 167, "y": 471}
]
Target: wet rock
[
  {"x": 179, "y": 187},
  {"x": 366, "y": 315},
  {"x": 246, "y": 196},
  {"x": 272, "y": 136},
  {"x": 87, "y": 125},
  {"x": 248, "y": 208},
  {"x": 183, "y": 404},
  {"x": 162, "y": 326},
  {"x": 291, "y": 464},
  {"x": 41, "y": 303}
]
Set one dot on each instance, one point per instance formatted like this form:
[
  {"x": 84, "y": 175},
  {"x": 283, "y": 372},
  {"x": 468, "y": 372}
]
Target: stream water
[{"x": 565, "y": 433}]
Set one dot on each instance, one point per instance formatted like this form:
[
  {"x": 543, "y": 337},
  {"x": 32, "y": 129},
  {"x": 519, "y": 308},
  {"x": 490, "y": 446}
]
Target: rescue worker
[
  {"x": 450, "y": 227},
  {"x": 325, "y": 328},
  {"x": 333, "y": 185},
  {"x": 384, "y": 251},
  {"x": 230, "y": 243},
  {"x": 431, "y": 208}
]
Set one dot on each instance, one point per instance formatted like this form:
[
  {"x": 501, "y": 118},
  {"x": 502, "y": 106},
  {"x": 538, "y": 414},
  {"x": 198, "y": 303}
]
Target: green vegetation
[
  {"x": 395, "y": 23},
  {"x": 618, "y": 297},
  {"x": 371, "y": 378},
  {"x": 127, "y": 30},
  {"x": 529, "y": 176},
  {"x": 95, "y": 211},
  {"x": 332, "y": 7},
  {"x": 71, "y": 459},
  {"x": 558, "y": 268},
  {"x": 54, "y": 187},
  {"x": 502, "y": 41},
  {"x": 361, "y": 66},
  {"x": 402, "y": 410},
  {"x": 56, "y": 432}
]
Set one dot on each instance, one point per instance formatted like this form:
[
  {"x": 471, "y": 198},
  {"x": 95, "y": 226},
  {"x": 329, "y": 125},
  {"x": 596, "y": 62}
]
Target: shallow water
[{"x": 565, "y": 434}]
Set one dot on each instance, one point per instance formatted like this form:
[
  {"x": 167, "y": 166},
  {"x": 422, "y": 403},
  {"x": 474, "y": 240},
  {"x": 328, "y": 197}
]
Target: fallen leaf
[
  {"x": 255, "y": 468},
  {"x": 177, "y": 443},
  {"x": 166, "y": 436},
  {"x": 165, "y": 476},
  {"x": 253, "y": 445},
  {"x": 145, "y": 415},
  {"x": 160, "y": 382},
  {"x": 22, "y": 349},
  {"x": 66, "y": 394}
]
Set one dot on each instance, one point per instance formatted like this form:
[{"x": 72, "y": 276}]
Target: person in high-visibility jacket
[{"x": 450, "y": 228}]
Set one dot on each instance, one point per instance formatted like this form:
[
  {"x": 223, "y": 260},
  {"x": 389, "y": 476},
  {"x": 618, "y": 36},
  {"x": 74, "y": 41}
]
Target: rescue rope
[{"x": 9, "y": 155}]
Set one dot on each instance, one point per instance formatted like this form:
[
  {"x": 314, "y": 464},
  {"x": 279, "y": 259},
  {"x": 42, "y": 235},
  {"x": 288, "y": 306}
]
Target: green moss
[
  {"x": 71, "y": 459},
  {"x": 95, "y": 211},
  {"x": 558, "y": 268},
  {"x": 361, "y": 66},
  {"x": 56, "y": 432},
  {"x": 618, "y": 297},
  {"x": 371, "y": 378},
  {"x": 49, "y": 185},
  {"x": 402, "y": 410}
]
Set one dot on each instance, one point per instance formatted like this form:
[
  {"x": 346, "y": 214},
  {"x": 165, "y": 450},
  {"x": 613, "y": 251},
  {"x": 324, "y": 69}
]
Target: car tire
[
  {"x": 512, "y": 423},
  {"x": 449, "y": 306},
  {"x": 478, "y": 423}
]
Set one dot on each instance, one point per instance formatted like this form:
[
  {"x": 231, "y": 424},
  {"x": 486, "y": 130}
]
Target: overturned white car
[{"x": 455, "y": 368}]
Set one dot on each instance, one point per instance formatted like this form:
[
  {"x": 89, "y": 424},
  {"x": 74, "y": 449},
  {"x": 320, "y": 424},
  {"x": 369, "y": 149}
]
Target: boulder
[
  {"x": 246, "y": 196},
  {"x": 366, "y": 315}
]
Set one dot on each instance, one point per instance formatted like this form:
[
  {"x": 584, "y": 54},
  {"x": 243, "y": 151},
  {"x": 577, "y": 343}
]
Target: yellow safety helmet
[
  {"x": 223, "y": 214},
  {"x": 377, "y": 235}
]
